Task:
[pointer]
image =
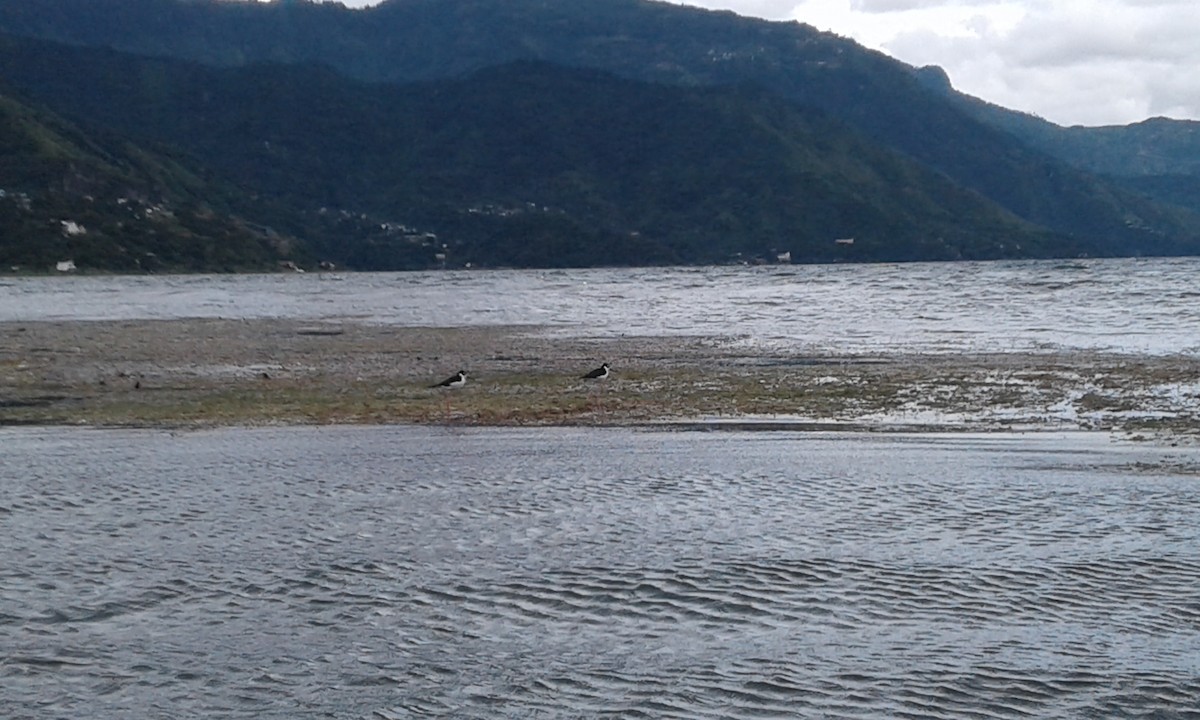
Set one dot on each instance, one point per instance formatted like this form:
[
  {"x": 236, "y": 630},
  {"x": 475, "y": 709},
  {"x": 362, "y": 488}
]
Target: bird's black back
[{"x": 599, "y": 372}]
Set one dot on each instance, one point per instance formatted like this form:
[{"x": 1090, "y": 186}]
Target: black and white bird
[
  {"x": 456, "y": 380},
  {"x": 600, "y": 373},
  {"x": 453, "y": 382}
]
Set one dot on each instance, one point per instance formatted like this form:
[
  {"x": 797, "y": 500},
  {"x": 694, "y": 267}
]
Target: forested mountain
[
  {"x": 1159, "y": 157},
  {"x": 696, "y": 137},
  {"x": 509, "y": 165},
  {"x": 103, "y": 202}
]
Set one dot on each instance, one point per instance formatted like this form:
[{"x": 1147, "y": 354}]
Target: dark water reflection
[{"x": 430, "y": 572}]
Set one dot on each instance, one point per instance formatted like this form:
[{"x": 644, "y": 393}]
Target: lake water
[
  {"x": 1139, "y": 306},
  {"x": 575, "y": 573},
  {"x": 408, "y": 572}
]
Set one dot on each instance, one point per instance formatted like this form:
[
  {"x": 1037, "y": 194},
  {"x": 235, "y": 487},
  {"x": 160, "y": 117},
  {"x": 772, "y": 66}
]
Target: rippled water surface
[
  {"x": 1121, "y": 305},
  {"x": 562, "y": 573}
]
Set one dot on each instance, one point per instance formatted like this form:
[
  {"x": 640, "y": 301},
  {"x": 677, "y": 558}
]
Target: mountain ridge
[
  {"x": 882, "y": 101},
  {"x": 668, "y": 174},
  {"x": 94, "y": 200}
]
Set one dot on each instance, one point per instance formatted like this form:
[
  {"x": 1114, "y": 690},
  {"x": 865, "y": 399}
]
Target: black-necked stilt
[
  {"x": 600, "y": 373},
  {"x": 456, "y": 380}
]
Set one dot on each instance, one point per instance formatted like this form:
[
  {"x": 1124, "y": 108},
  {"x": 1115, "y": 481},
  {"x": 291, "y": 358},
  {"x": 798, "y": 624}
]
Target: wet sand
[{"x": 250, "y": 372}]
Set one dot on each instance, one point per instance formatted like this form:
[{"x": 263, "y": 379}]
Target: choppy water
[
  {"x": 1148, "y": 305},
  {"x": 567, "y": 573}
]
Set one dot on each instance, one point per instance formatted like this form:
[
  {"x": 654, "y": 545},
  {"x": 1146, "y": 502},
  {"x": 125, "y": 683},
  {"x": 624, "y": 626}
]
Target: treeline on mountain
[
  {"x": 428, "y": 132},
  {"x": 1158, "y": 157},
  {"x": 103, "y": 203},
  {"x": 533, "y": 164}
]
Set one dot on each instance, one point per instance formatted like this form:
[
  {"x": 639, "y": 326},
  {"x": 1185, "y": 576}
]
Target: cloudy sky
[{"x": 1086, "y": 62}]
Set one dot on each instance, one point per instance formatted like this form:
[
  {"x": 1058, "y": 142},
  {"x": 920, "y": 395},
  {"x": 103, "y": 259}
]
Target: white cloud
[
  {"x": 1089, "y": 62},
  {"x": 1072, "y": 61},
  {"x": 1075, "y": 61},
  {"x": 769, "y": 9}
]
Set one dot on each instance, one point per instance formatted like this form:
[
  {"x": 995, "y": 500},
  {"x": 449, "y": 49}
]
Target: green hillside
[
  {"x": 532, "y": 164},
  {"x": 1158, "y": 157},
  {"x": 400, "y": 41},
  {"x": 106, "y": 204}
]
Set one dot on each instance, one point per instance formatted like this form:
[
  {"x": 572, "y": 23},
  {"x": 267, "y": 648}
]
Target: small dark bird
[
  {"x": 456, "y": 380},
  {"x": 600, "y": 373}
]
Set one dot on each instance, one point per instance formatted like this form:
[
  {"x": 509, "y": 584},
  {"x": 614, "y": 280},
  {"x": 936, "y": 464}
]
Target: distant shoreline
[{"x": 209, "y": 372}]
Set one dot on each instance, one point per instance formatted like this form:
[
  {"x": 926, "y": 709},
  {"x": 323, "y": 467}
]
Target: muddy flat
[{"x": 206, "y": 372}]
